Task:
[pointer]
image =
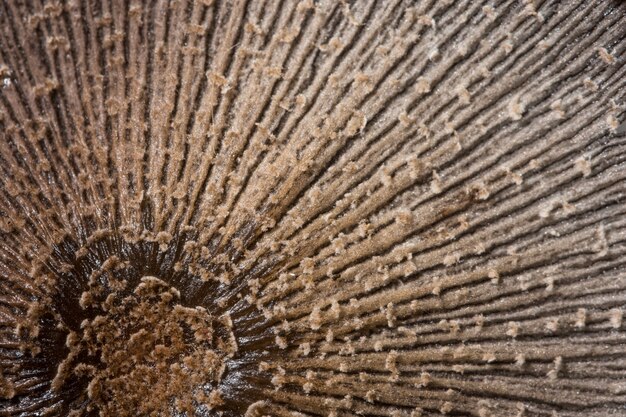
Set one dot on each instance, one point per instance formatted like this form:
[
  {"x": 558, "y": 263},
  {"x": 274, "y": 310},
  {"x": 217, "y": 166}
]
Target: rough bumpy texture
[{"x": 299, "y": 208}]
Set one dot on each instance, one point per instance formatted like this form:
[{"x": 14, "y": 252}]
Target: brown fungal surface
[{"x": 312, "y": 208}]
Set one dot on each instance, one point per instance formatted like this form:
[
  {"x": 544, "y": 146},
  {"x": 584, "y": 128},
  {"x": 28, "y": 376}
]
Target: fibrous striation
[{"x": 312, "y": 208}]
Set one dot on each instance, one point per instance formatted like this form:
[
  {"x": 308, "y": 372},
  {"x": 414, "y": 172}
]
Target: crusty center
[{"x": 146, "y": 353}]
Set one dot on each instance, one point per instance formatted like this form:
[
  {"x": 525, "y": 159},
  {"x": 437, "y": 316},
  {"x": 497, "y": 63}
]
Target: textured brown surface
[{"x": 279, "y": 208}]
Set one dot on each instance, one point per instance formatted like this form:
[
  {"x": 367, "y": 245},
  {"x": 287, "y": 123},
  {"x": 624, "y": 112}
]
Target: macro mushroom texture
[{"x": 312, "y": 208}]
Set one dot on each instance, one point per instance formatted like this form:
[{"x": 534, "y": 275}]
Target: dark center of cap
[{"x": 146, "y": 352}]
